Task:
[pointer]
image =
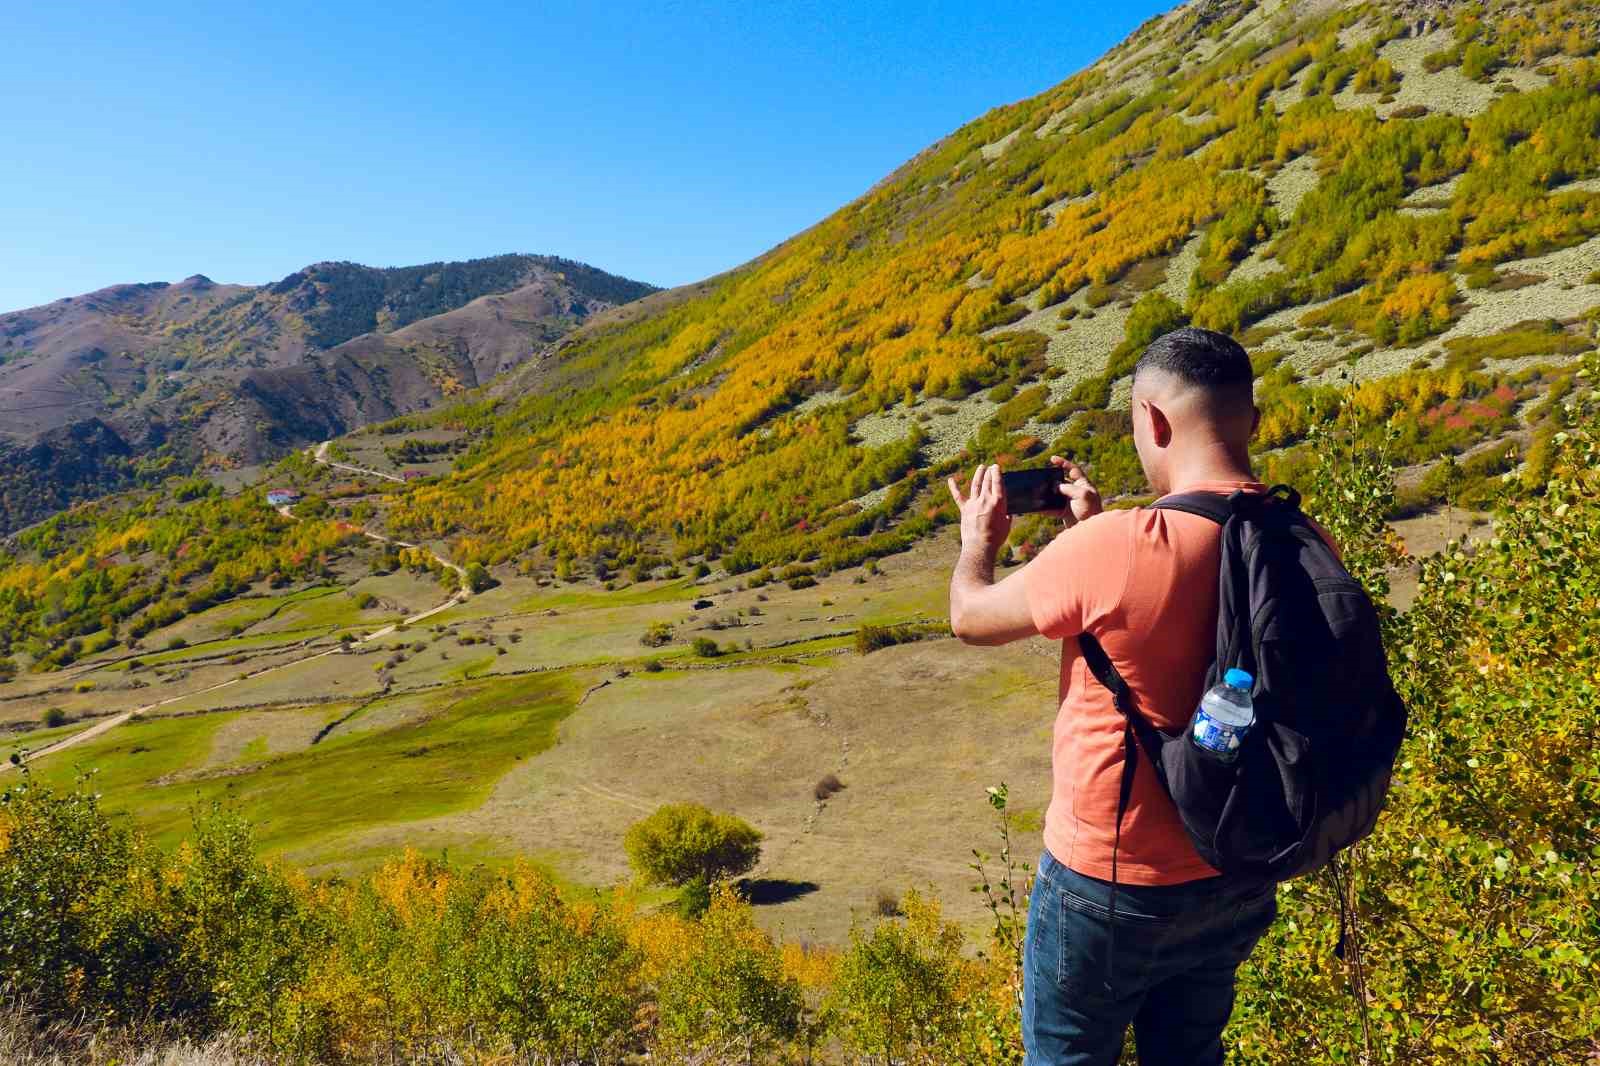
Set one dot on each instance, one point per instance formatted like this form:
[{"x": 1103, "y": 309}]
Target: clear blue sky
[{"x": 664, "y": 141}]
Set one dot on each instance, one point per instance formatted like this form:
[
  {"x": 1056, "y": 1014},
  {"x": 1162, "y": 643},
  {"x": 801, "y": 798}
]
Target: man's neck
[{"x": 1216, "y": 462}]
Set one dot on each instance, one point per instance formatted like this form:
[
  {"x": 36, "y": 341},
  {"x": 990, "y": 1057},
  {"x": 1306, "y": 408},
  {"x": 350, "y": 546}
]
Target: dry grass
[
  {"x": 24, "y": 1042},
  {"x": 918, "y": 731}
]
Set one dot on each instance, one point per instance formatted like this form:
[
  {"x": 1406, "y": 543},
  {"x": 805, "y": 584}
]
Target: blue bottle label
[{"x": 1215, "y": 736}]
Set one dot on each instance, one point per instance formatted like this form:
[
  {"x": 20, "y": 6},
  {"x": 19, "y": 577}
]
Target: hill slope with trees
[
  {"x": 134, "y": 382},
  {"x": 1407, "y": 195}
]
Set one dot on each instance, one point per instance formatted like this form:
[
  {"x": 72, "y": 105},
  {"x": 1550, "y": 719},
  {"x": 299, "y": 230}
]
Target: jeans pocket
[
  {"x": 1251, "y": 920},
  {"x": 1105, "y": 957}
]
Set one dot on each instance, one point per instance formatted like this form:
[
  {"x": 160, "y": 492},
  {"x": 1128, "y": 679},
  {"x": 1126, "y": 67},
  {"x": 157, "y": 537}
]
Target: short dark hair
[{"x": 1200, "y": 357}]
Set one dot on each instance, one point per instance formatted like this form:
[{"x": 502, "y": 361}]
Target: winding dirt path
[{"x": 320, "y": 455}]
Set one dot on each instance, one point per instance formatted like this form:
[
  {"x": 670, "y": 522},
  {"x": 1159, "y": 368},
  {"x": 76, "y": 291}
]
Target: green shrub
[
  {"x": 729, "y": 991},
  {"x": 684, "y": 842},
  {"x": 895, "y": 996},
  {"x": 478, "y": 578},
  {"x": 871, "y": 638},
  {"x": 706, "y": 648},
  {"x": 658, "y": 634},
  {"x": 1478, "y": 61},
  {"x": 55, "y": 718}
]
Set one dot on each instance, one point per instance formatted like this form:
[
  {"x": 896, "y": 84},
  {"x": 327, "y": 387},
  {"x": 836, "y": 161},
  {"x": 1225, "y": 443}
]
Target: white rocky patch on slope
[
  {"x": 1432, "y": 197},
  {"x": 1290, "y": 184},
  {"x": 1285, "y": 189},
  {"x": 1308, "y": 356},
  {"x": 1256, "y": 265},
  {"x": 1078, "y": 348},
  {"x": 1180, "y": 268},
  {"x": 1058, "y": 122},
  {"x": 1565, "y": 292},
  {"x": 1447, "y": 91},
  {"x": 995, "y": 149},
  {"x": 1054, "y": 209},
  {"x": 1584, "y": 185},
  {"x": 1285, "y": 98},
  {"x": 1357, "y": 35},
  {"x": 1121, "y": 393},
  {"x": 947, "y": 424}
]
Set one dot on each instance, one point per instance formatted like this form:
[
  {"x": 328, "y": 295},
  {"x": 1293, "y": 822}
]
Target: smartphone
[{"x": 1027, "y": 491}]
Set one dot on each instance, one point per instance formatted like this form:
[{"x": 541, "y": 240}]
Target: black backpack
[{"x": 1312, "y": 773}]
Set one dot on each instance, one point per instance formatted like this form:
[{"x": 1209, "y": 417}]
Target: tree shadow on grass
[{"x": 764, "y": 891}]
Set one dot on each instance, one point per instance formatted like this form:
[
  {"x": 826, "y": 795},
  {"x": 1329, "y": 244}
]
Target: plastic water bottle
[{"x": 1225, "y": 716}]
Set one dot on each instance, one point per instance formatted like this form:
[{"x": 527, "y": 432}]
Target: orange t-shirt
[{"x": 1144, "y": 583}]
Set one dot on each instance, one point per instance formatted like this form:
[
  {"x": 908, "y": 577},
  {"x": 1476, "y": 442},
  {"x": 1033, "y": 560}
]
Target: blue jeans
[{"x": 1168, "y": 971}]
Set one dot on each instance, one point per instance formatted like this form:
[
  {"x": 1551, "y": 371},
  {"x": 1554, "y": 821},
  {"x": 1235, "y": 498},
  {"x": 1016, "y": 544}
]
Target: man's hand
[
  {"x": 984, "y": 522},
  {"x": 981, "y": 611},
  {"x": 1083, "y": 499}
]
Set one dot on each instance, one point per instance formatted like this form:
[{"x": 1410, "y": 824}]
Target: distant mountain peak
[{"x": 244, "y": 373}]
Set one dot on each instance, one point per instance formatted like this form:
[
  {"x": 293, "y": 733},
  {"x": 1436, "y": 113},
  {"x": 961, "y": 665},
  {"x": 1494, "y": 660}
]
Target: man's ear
[
  {"x": 1160, "y": 427},
  {"x": 1255, "y": 420}
]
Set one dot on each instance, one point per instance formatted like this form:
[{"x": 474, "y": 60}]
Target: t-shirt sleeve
[{"x": 1079, "y": 576}]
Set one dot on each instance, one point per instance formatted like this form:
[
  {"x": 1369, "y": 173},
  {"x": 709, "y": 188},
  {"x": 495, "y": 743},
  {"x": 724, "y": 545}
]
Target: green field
[{"x": 443, "y": 759}]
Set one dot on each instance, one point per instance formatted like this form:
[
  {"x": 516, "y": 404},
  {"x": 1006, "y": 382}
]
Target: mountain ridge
[{"x": 216, "y": 374}]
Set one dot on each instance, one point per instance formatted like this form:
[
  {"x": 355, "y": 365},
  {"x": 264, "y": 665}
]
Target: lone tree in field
[{"x": 685, "y": 844}]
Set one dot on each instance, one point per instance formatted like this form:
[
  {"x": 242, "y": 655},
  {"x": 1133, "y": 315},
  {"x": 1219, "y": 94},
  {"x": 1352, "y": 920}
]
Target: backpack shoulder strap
[
  {"x": 1106, "y": 672},
  {"x": 1212, "y": 505},
  {"x": 1220, "y": 508}
]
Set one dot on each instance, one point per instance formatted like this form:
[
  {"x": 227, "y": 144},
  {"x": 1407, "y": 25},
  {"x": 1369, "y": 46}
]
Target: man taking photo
[{"x": 1158, "y": 952}]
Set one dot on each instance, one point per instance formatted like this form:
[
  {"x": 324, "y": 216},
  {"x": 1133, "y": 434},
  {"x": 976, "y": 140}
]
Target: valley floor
[{"x": 533, "y": 720}]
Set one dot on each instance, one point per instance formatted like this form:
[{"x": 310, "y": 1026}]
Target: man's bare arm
[{"x": 983, "y": 612}]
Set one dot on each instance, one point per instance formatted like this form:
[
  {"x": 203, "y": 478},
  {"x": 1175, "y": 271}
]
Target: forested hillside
[
  {"x": 1401, "y": 198},
  {"x": 1404, "y": 192},
  {"x": 137, "y": 382}
]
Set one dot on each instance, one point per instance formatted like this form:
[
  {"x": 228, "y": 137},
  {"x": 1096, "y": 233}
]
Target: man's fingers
[
  {"x": 993, "y": 485},
  {"x": 955, "y": 490},
  {"x": 977, "y": 481}
]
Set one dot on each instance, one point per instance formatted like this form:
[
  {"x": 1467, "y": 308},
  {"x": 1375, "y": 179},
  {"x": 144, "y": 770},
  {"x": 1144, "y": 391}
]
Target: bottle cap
[{"x": 1239, "y": 679}]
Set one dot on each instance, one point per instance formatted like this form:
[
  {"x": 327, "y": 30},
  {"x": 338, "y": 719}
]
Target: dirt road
[{"x": 320, "y": 455}]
